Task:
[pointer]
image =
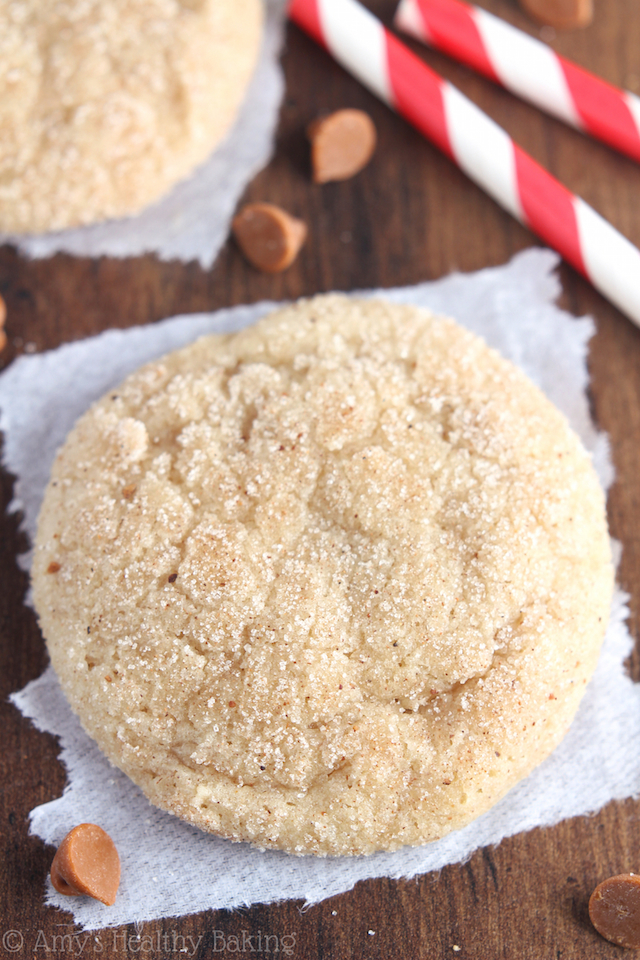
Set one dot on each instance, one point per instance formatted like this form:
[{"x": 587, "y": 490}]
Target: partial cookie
[
  {"x": 332, "y": 584},
  {"x": 106, "y": 104}
]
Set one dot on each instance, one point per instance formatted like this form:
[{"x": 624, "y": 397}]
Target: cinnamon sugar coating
[
  {"x": 106, "y": 104},
  {"x": 332, "y": 584}
]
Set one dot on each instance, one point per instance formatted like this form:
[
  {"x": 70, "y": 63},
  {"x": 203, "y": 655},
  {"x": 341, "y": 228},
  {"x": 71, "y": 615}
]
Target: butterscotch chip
[
  {"x": 341, "y": 144},
  {"x": 3, "y": 318},
  {"x": 614, "y": 909},
  {"x": 269, "y": 237},
  {"x": 561, "y": 14},
  {"x": 87, "y": 863},
  {"x": 106, "y": 104},
  {"x": 393, "y": 577}
]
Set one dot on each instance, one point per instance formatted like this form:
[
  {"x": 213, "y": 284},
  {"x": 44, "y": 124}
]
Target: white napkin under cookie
[{"x": 513, "y": 308}]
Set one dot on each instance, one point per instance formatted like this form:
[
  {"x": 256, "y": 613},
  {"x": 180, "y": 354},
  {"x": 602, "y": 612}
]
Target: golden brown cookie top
[
  {"x": 331, "y": 584},
  {"x": 106, "y": 104}
]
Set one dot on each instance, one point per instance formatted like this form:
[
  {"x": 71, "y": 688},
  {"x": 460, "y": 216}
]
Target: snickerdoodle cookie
[
  {"x": 106, "y": 104},
  {"x": 332, "y": 584}
]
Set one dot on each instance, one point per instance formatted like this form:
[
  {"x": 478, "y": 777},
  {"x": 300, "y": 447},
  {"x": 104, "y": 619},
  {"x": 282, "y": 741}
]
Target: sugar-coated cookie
[
  {"x": 332, "y": 584},
  {"x": 106, "y": 104}
]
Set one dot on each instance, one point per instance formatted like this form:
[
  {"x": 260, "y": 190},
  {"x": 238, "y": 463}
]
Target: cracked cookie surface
[
  {"x": 106, "y": 104},
  {"x": 331, "y": 584}
]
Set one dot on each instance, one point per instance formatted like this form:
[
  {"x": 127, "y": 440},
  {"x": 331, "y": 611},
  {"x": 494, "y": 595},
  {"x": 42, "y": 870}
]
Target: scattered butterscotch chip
[
  {"x": 3, "y": 317},
  {"x": 128, "y": 491},
  {"x": 269, "y": 237},
  {"x": 614, "y": 909},
  {"x": 561, "y": 14},
  {"x": 341, "y": 144},
  {"x": 87, "y": 863},
  {"x": 53, "y": 567}
]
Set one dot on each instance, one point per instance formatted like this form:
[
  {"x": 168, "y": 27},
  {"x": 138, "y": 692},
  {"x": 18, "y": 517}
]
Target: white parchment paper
[
  {"x": 170, "y": 868},
  {"x": 192, "y": 221}
]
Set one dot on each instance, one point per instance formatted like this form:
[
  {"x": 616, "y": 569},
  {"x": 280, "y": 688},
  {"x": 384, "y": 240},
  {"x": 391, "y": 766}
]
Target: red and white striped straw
[
  {"x": 527, "y": 67},
  {"x": 482, "y": 149}
]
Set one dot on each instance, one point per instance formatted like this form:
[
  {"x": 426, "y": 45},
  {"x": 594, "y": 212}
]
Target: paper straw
[
  {"x": 482, "y": 149},
  {"x": 527, "y": 67}
]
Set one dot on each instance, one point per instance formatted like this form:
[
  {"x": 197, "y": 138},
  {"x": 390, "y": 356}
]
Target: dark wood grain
[{"x": 408, "y": 217}]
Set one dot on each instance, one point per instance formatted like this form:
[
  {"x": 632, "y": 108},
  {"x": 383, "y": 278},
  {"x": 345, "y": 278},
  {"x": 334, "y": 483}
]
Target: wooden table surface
[{"x": 410, "y": 216}]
